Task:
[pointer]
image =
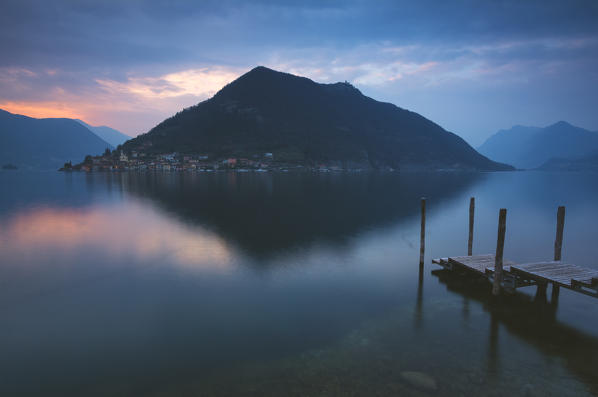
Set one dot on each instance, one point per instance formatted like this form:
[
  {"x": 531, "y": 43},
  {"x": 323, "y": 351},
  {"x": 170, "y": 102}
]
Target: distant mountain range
[
  {"x": 588, "y": 162},
  {"x": 110, "y": 135},
  {"x": 532, "y": 147},
  {"x": 45, "y": 143},
  {"x": 299, "y": 120}
]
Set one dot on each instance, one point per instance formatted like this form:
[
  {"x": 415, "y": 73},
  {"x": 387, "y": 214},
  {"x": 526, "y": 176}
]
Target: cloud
[
  {"x": 45, "y": 109},
  {"x": 133, "y": 105},
  {"x": 200, "y": 83},
  {"x": 425, "y": 65}
]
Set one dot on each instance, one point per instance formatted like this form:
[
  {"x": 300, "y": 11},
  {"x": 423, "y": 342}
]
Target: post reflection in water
[
  {"x": 465, "y": 310},
  {"x": 532, "y": 319},
  {"x": 420, "y": 298},
  {"x": 493, "y": 364}
]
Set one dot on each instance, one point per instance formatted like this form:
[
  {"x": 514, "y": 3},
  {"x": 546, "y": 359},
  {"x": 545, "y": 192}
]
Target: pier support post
[
  {"x": 541, "y": 293},
  {"x": 554, "y": 298},
  {"x": 558, "y": 245},
  {"x": 471, "y": 214},
  {"x": 560, "y": 225},
  {"x": 500, "y": 245},
  {"x": 422, "y": 246}
]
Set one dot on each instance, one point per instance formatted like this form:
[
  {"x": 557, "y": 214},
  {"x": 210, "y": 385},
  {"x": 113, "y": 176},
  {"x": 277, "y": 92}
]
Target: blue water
[{"x": 176, "y": 284}]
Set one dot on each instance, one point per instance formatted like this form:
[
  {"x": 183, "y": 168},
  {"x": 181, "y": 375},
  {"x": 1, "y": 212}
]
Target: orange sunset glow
[
  {"x": 42, "y": 110},
  {"x": 133, "y": 105}
]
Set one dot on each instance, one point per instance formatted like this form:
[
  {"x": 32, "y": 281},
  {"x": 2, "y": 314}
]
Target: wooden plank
[
  {"x": 534, "y": 265},
  {"x": 479, "y": 262},
  {"x": 506, "y": 268},
  {"x": 566, "y": 271},
  {"x": 473, "y": 265},
  {"x": 570, "y": 273},
  {"x": 476, "y": 258},
  {"x": 585, "y": 282},
  {"x": 476, "y": 263},
  {"x": 529, "y": 274},
  {"x": 472, "y": 259}
]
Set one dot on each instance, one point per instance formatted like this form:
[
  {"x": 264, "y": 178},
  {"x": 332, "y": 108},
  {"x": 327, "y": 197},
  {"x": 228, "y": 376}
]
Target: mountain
[
  {"x": 588, "y": 162},
  {"x": 110, "y": 135},
  {"x": 530, "y": 147},
  {"x": 45, "y": 143},
  {"x": 299, "y": 120},
  {"x": 508, "y": 145}
]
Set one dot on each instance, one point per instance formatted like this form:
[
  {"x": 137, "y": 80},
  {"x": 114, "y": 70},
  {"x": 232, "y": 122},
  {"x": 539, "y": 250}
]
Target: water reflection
[
  {"x": 267, "y": 214},
  {"x": 45, "y": 250},
  {"x": 419, "y": 303},
  {"x": 119, "y": 231},
  {"x": 232, "y": 284}
]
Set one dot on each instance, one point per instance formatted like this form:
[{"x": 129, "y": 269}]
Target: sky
[{"x": 473, "y": 67}]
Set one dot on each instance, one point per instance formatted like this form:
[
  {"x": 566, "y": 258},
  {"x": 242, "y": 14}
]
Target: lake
[{"x": 249, "y": 284}]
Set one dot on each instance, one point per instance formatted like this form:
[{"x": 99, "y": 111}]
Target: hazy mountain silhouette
[
  {"x": 45, "y": 143},
  {"x": 588, "y": 162},
  {"x": 300, "y": 120},
  {"x": 108, "y": 134},
  {"x": 530, "y": 147}
]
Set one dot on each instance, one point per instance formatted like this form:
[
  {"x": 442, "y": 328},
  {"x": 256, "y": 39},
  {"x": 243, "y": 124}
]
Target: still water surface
[{"x": 286, "y": 284}]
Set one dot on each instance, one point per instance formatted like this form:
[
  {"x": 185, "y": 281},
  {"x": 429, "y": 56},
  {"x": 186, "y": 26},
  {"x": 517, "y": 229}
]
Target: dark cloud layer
[
  {"x": 109, "y": 33},
  {"x": 414, "y": 53}
]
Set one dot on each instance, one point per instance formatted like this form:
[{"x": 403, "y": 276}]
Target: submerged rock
[
  {"x": 528, "y": 390},
  {"x": 419, "y": 380}
]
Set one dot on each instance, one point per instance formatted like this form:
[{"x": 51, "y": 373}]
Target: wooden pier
[
  {"x": 559, "y": 274},
  {"x": 509, "y": 275}
]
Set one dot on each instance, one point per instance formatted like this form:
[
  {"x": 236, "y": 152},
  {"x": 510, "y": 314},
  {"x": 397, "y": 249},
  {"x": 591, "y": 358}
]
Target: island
[{"x": 268, "y": 120}]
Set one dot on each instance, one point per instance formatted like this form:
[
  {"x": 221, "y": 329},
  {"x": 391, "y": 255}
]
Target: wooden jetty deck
[
  {"x": 483, "y": 265},
  {"x": 561, "y": 274},
  {"x": 511, "y": 275},
  {"x": 557, "y": 273},
  {"x": 478, "y": 264}
]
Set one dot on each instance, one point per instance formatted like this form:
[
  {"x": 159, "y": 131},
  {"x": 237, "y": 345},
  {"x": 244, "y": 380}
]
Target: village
[{"x": 118, "y": 160}]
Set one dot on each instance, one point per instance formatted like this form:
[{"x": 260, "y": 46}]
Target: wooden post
[
  {"x": 558, "y": 246},
  {"x": 422, "y": 247},
  {"x": 554, "y": 298},
  {"x": 471, "y": 213},
  {"x": 541, "y": 293},
  {"x": 560, "y": 225},
  {"x": 500, "y": 245}
]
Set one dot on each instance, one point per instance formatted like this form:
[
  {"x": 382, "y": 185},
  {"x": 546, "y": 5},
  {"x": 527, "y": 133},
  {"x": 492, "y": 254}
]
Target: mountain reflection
[{"x": 266, "y": 214}]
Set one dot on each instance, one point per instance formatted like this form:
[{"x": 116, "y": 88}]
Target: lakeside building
[{"x": 123, "y": 161}]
